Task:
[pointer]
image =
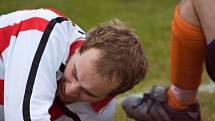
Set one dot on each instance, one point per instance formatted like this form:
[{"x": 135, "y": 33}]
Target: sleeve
[{"x": 31, "y": 63}]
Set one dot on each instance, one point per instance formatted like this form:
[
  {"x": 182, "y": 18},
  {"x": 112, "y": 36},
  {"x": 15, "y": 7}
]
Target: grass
[{"x": 151, "y": 20}]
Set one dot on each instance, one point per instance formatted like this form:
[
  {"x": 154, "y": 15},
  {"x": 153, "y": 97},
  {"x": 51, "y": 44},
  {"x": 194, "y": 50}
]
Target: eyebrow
[{"x": 88, "y": 92}]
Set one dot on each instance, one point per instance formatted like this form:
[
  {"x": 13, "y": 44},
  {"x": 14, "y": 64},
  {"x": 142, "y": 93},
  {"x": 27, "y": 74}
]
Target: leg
[
  {"x": 210, "y": 59},
  {"x": 187, "y": 39},
  {"x": 206, "y": 14},
  {"x": 188, "y": 13}
]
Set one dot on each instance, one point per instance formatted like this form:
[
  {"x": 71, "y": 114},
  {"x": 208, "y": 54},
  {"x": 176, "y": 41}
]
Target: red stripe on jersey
[
  {"x": 77, "y": 44},
  {"x": 5, "y": 34},
  {"x": 1, "y": 92},
  {"x": 30, "y": 24},
  {"x": 13, "y": 30},
  {"x": 55, "y": 112}
]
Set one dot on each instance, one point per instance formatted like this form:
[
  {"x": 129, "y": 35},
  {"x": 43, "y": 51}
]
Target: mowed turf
[{"x": 151, "y": 19}]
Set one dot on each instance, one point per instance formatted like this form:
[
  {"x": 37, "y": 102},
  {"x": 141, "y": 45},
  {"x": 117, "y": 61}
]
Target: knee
[
  {"x": 188, "y": 13},
  {"x": 186, "y": 6}
]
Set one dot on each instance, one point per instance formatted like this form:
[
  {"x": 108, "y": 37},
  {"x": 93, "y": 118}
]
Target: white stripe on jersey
[
  {"x": 18, "y": 16},
  {"x": 18, "y": 61},
  {"x": 1, "y": 70}
]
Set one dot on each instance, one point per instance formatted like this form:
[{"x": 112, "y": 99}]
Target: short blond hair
[{"x": 122, "y": 55}]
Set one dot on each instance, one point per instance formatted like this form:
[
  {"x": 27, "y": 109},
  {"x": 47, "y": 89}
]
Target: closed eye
[
  {"x": 76, "y": 77},
  {"x": 74, "y": 73}
]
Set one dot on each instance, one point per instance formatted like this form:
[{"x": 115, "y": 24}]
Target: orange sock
[{"x": 187, "y": 53}]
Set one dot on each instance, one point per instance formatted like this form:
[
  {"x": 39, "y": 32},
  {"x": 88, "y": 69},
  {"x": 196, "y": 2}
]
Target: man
[
  {"x": 192, "y": 27},
  {"x": 40, "y": 56}
]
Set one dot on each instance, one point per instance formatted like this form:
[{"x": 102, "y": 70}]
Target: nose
[{"x": 72, "y": 89}]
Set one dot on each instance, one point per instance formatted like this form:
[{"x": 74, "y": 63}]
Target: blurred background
[{"x": 151, "y": 20}]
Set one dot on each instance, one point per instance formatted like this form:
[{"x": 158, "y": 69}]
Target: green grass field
[{"x": 151, "y": 20}]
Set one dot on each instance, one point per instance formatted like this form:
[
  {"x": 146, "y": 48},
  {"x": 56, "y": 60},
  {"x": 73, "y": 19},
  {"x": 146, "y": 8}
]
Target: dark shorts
[{"x": 210, "y": 60}]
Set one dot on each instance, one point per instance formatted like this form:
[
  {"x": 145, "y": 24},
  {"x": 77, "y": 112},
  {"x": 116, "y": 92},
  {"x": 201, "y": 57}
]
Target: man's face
[{"x": 80, "y": 81}]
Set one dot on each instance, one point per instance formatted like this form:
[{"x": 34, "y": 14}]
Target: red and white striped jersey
[{"x": 33, "y": 46}]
